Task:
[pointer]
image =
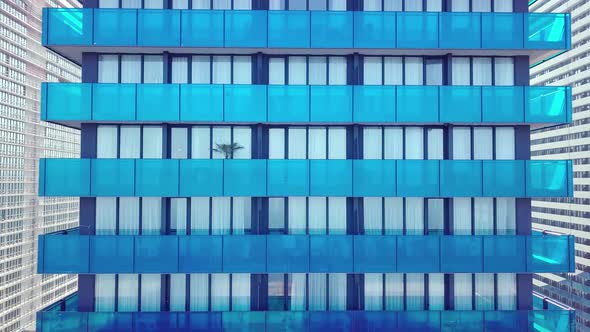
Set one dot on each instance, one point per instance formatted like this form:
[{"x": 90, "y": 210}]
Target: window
[
  {"x": 304, "y": 70},
  {"x": 307, "y": 5},
  {"x": 402, "y": 71},
  {"x": 215, "y": 4},
  {"x": 216, "y": 69},
  {"x": 481, "y": 5},
  {"x": 130, "y": 68},
  {"x": 480, "y": 71}
]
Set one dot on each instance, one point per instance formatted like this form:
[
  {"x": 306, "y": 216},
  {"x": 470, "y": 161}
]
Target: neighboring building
[
  {"x": 24, "y": 64},
  {"x": 568, "y": 141},
  {"x": 353, "y": 165}
]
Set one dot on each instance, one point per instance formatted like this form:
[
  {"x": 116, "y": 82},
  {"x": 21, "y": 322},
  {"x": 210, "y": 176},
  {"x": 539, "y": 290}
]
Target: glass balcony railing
[
  {"x": 304, "y": 29},
  {"x": 72, "y": 103},
  {"x": 304, "y": 253},
  {"x": 260, "y": 178}
]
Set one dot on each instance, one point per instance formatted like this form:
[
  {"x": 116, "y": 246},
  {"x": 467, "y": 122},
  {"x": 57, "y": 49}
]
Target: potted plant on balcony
[{"x": 227, "y": 150}]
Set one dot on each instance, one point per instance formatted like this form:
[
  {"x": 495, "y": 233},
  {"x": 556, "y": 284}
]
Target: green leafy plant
[{"x": 227, "y": 150}]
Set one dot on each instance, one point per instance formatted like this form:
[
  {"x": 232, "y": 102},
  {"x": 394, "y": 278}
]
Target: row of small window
[
  {"x": 313, "y": 142},
  {"x": 304, "y": 292},
  {"x": 307, "y": 70},
  {"x": 331, "y": 5},
  {"x": 305, "y": 215}
]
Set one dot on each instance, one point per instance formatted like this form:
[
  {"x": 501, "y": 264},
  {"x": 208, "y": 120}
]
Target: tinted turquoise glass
[
  {"x": 289, "y": 29},
  {"x": 65, "y": 253},
  {"x": 418, "y": 321},
  {"x": 502, "y": 30},
  {"x": 243, "y": 321},
  {"x": 287, "y": 253},
  {"x": 200, "y": 254},
  {"x": 460, "y": 104},
  {"x": 288, "y": 103},
  {"x": 549, "y": 178},
  {"x": 245, "y": 177},
  {"x": 158, "y": 102},
  {"x": 245, "y": 28},
  {"x": 502, "y": 104},
  {"x": 550, "y": 253},
  {"x": 288, "y": 177},
  {"x": 71, "y": 26},
  {"x": 330, "y": 253},
  {"x": 113, "y": 177},
  {"x": 503, "y": 178},
  {"x": 115, "y": 27},
  {"x": 374, "y": 29},
  {"x": 374, "y": 178},
  {"x": 245, "y": 103},
  {"x": 331, "y": 103},
  {"x": 66, "y": 101},
  {"x": 375, "y": 254},
  {"x": 417, "y": 30},
  {"x": 418, "y": 253},
  {"x": 547, "y": 104},
  {"x": 201, "y": 177},
  {"x": 111, "y": 254},
  {"x": 451, "y": 320},
  {"x": 545, "y": 31},
  {"x": 417, "y": 104},
  {"x": 114, "y": 102},
  {"x": 157, "y": 27},
  {"x": 331, "y": 29},
  {"x": 201, "y": 102},
  {"x": 155, "y": 254},
  {"x": 374, "y": 103},
  {"x": 417, "y": 178},
  {"x": 244, "y": 253},
  {"x": 202, "y": 28},
  {"x": 460, "y": 178},
  {"x": 461, "y": 254},
  {"x": 156, "y": 177},
  {"x": 330, "y": 177},
  {"x": 460, "y": 30},
  {"x": 504, "y": 253},
  {"x": 66, "y": 177}
]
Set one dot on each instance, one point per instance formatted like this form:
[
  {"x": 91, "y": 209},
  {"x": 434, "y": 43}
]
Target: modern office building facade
[
  {"x": 24, "y": 64},
  {"x": 567, "y": 215},
  {"x": 304, "y": 165}
]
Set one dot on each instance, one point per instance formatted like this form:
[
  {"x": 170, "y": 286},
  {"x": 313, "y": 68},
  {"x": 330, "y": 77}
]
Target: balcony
[
  {"x": 84, "y": 254},
  {"x": 260, "y": 178},
  {"x": 71, "y": 32},
  {"x": 73, "y": 103}
]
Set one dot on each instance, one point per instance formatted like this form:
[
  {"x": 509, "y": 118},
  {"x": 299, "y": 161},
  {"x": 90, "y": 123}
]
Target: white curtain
[
  {"x": 129, "y": 215},
  {"x": 436, "y": 218},
  {"x": 128, "y": 293},
  {"x": 505, "y": 143},
  {"x": 130, "y": 142},
  {"x": 372, "y": 66},
  {"x": 336, "y": 143},
  {"x": 276, "y": 214},
  {"x": 393, "y": 215},
  {"x": 461, "y": 143},
  {"x": 240, "y": 292},
  {"x": 108, "y": 69},
  {"x": 412, "y": 6},
  {"x": 222, "y": 4},
  {"x": 337, "y": 215},
  {"x": 435, "y": 143},
  {"x": 484, "y": 291},
  {"x": 201, "y": 68},
  {"x": 199, "y": 292},
  {"x": 106, "y": 141},
  {"x": 298, "y": 5},
  {"x": 298, "y": 70},
  {"x": 460, "y": 71},
  {"x": 219, "y": 292},
  {"x": 482, "y": 71},
  {"x": 242, "y": 214},
  {"x": 336, "y": 4},
  {"x": 151, "y": 215},
  {"x": 372, "y": 143},
  {"x": 276, "y": 143},
  {"x": 201, "y": 143},
  {"x": 337, "y": 70},
  {"x": 337, "y": 291},
  {"x": 462, "y": 216},
  {"x": 151, "y": 291},
  {"x": 483, "y": 143},
  {"x": 201, "y": 4},
  {"x": 460, "y": 5},
  {"x": 414, "y": 143},
  {"x": 481, "y": 6},
  {"x": 393, "y": 5},
  {"x": 179, "y": 143},
  {"x": 178, "y": 292},
  {"x": 221, "y": 69},
  {"x": 106, "y": 215},
  {"x": 505, "y": 216},
  {"x": 276, "y": 71},
  {"x": 415, "y": 291},
  {"x": 104, "y": 292},
  {"x": 317, "y": 143},
  {"x": 372, "y": 215},
  {"x": 242, "y": 4},
  {"x": 297, "y": 143},
  {"x": 317, "y": 70},
  {"x": 316, "y": 5},
  {"x": 296, "y": 214},
  {"x": 506, "y": 291},
  {"x": 434, "y": 72},
  {"x": 317, "y": 292},
  {"x": 436, "y": 291},
  {"x": 152, "y": 142},
  {"x": 394, "y": 291},
  {"x": 503, "y": 6},
  {"x": 242, "y": 70},
  {"x": 484, "y": 215},
  {"x": 180, "y": 4},
  {"x": 178, "y": 215},
  {"x": 317, "y": 215},
  {"x": 180, "y": 70},
  {"x": 108, "y": 4},
  {"x": 433, "y": 6},
  {"x": 414, "y": 216},
  {"x": 504, "y": 71},
  {"x": 414, "y": 68},
  {"x": 220, "y": 215},
  {"x": 372, "y": 5},
  {"x": 130, "y": 68},
  {"x": 373, "y": 291},
  {"x": 153, "y": 4},
  {"x": 221, "y": 135},
  {"x": 243, "y": 137},
  {"x": 130, "y": 3},
  {"x": 393, "y": 146},
  {"x": 277, "y": 5},
  {"x": 153, "y": 69},
  {"x": 297, "y": 291},
  {"x": 200, "y": 215},
  {"x": 392, "y": 69},
  {"x": 463, "y": 286}
]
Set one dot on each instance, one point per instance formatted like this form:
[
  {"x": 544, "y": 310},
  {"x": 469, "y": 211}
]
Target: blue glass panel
[
  {"x": 418, "y": 253},
  {"x": 201, "y": 177},
  {"x": 243, "y": 321},
  {"x": 156, "y": 254},
  {"x": 244, "y": 253},
  {"x": 199, "y": 254},
  {"x": 245, "y": 103},
  {"x": 552, "y": 320},
  {"x": 374, "y": 29},
  {"x": 110, "y": 321},
  {"x": 200, "y": 321},
  {"x": 550, "y": 253},
  {"x": 461, "y": 254},
  {"x": 502, "y": 30},
  {"x": 63, "y": 321},
  {"x": 202, "y": 28},
  {"x": 375, "y": 253},
  {"x": 331, "y": 103},
  {"x": 65, "y": 254},
  {"x": 502, "y": 104},
  {"x": 113, "y": 102},
  {"x": 509, "y": 321},
  {"x": 418, "y": 321},
  {"x": 460, "y": 321},
  {"x": 417, "y": 30},
  {"x": 548, "y": 178},
  {"x": 547, "y": 104},
  {"x": 69, "y": 26},
  {"x": 156, "y": 177},
  {"x": 460, "y": 30},
  {"x": 244, "y": 177},
  {"x": 111, "y": 254},
  {"x": 330, "y": 177},
  {"x": 154, "y": 321},
  {"x": 288, "y": 177},
  {"x": 245, "y": 28},
  {"x": 374, "y": 178},
  {"x": 503, "y": 178},
  {"x": 288, "y": 253},
  {"x": 417, "y": 104},
  {"x": 547, "y": 31},
  {"x": 287, "y": 321},
  {"x": 331, "y": 253},
  {"x": 201, "y": 103},
  {"x": 68, "y": 101},
  {"x": 115, "y": 27},
  {"x": 374, "y": 321},
  {"x": 288, "y": 103},
  {"x": 331, "y": 29},
  {"x": 66, "y": 177},
  {"x": 288, "y": 29},
  {"x": 460, "y": 104},
  {"x": 460, "y": 178},
  {"x": 158, "y": 102},
  {"x": 158, "y": 27},
  {"x": 504, "y": 254},
  {"x": 374, "y": 103},
  {"x": 417, "y": 178},
  {"x": 330, "y": 321},
  {"x": 112, "y": 177}
]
